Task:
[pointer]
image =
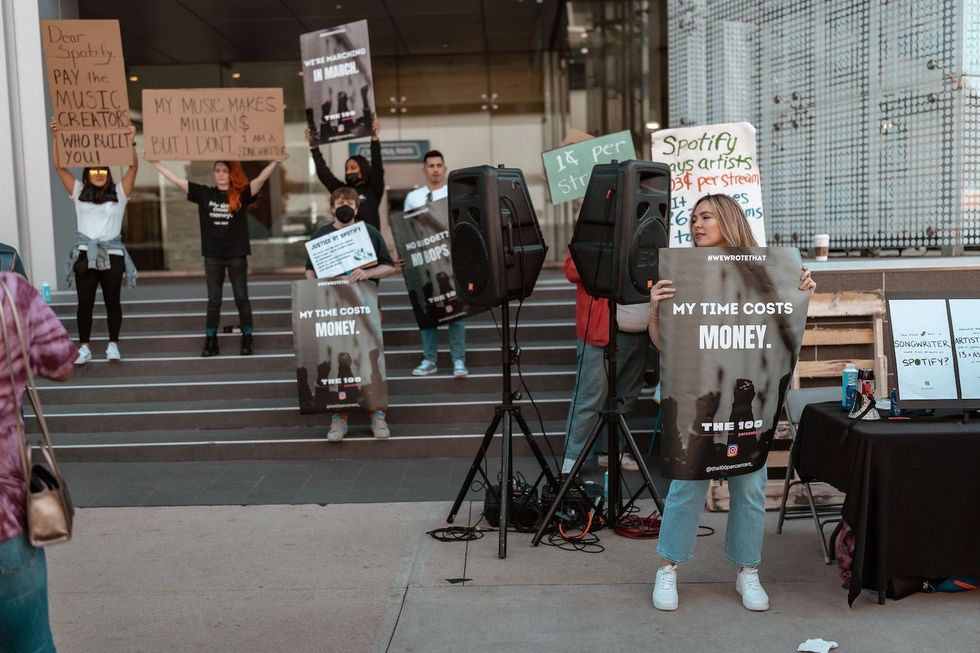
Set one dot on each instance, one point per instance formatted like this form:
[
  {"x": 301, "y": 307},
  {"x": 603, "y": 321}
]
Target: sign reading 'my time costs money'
[{"x": 568, "y": 168}]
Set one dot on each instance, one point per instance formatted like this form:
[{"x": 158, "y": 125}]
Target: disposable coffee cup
[{"x": 821, "y": 246}]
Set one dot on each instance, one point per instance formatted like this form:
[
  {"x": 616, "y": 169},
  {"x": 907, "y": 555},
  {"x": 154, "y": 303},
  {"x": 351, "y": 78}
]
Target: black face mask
[
  {"x": 352, "y": 178},
  {"x": 344, "y": 214}
]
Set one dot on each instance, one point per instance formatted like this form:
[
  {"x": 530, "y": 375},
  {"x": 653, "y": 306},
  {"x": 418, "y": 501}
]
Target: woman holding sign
[
  {"x": 716, "y": 221},
  {"x": 98, "y": 257},
  {"x": 222, "y": 211}
]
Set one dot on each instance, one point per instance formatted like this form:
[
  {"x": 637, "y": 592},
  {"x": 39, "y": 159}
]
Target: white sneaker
[
  {"x": 626, "y": 462},
  {"x": 379, "y": 426},
  {"x": 753, "y": 596},
  {"x": 112, "y": 352},
  {"x": 459, "y": 369},
  {"x": 84, "y": 355},
  {"x": 338, "y": 429},
  {"x": 665, "y": 589},
  {"x": 425, "y": 368}
]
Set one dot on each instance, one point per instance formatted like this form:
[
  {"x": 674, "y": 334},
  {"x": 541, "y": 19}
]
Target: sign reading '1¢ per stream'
[
  {"x": 568, "y": 168},
  {"x": 214, "y": 124}
]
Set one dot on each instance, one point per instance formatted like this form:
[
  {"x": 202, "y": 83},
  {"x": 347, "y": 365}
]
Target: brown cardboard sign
[
  {"x": 214, "y": 124},
  {"x": 87, "y": 89}
]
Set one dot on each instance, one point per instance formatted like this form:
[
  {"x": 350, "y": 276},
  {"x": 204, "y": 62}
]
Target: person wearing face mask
[
  {"x": 344, "y": 204},
  {"x": 98, "y": 257},
  {"x": 367, "y": 179},
  {"x": 225, "y": 244}
]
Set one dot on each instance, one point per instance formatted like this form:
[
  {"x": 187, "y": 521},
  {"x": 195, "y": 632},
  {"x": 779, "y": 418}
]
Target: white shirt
[
  {"x": 417, "y": 198},
  {"x": 99, "y": 221},
  {"x": 633, "y": 318}
]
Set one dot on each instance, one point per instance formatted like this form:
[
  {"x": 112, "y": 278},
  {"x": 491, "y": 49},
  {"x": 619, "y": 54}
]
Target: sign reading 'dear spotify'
[
  {"x": 87, "y": 89},
  {"x": 568, "y": 168}
]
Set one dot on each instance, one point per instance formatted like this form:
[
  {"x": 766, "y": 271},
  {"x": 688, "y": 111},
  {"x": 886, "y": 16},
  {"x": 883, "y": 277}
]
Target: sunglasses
[{"x": 98, "y": 171}]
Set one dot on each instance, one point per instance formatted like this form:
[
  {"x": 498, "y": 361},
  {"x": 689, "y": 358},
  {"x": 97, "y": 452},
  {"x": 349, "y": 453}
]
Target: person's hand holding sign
[
  {"x": 807, "y": 282},
  {"x": 360, "y": 274},
  {"x": 662, "y": 290}
]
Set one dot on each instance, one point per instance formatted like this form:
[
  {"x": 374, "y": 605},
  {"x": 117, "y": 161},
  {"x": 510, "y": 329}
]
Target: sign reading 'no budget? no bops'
[
  {"x": 87, "y": 89},
  {"x": 214, "y": 124}
]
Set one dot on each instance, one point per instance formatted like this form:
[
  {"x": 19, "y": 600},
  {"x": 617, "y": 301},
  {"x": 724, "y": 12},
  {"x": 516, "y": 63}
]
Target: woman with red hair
[{"x": 225, "y": 243}]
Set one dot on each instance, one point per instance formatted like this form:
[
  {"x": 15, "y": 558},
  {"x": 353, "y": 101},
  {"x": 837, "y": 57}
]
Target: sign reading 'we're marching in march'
[{"x": 337, "y": 82}]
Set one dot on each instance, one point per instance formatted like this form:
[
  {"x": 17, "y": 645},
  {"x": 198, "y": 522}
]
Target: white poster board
[
  {"x": 341, "y": 251},
  {"x": 935, "y": 338},
  {"x": 710, "y": 159}
]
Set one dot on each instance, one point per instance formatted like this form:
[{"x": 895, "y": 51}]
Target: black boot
[
  {"x": 246, "y": 344},
  {"x": 210, "y": 346}
]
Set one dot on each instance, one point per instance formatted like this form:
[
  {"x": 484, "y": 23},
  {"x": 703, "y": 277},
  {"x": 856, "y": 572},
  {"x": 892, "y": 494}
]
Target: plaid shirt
[{"x": 52, "y": 354}]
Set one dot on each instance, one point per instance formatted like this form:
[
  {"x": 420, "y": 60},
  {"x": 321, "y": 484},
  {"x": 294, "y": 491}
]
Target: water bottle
[
  {"x": 894, "y": 410},
  {"x": 848, "y": 377},
  {"x": 46, "y": 292}
]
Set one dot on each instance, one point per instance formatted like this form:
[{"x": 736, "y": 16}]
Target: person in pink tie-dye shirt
[{"x": 23, "y": 573}]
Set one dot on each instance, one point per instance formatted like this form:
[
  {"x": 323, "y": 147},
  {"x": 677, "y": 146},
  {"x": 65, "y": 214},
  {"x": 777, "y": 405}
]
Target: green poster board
[{"x": 569, "y": 167}]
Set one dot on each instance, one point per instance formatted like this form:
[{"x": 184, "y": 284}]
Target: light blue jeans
[
  {"x": 590, "y": 395},
  {"x": 457, "y": 342},
  {"x": 746, "y": 519},
  {"x": 24, "y": 598}
]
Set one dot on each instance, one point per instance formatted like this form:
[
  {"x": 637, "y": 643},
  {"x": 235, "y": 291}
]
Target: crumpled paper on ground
[{"x": 817, "y": 646}]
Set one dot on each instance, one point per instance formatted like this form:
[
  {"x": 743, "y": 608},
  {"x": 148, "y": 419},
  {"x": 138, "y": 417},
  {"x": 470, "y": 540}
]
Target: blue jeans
[
  {"x": 24, "y": 598},
  {"x": 590, "y": 395},
  {"x": 457, "y": 342},
  {"x": 746, "y": 519}
]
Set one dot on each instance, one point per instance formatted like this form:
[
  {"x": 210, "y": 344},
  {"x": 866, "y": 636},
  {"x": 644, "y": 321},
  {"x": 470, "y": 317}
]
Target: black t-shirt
[
  {"x": 380, "y": 248},
  {"x": 223, "y": 233}
]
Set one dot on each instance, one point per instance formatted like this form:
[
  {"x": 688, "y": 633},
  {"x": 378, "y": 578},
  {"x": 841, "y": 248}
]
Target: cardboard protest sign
[
  {"x": 337, "y": 82},
  {"x": 87, "y": 89},
  {"x": 731, "y": 338},
  {"x": 422, "y": 239},
  {"x": 214, "y": 124},
  {"x": 340, "y": 361},
  {"x": 712, "y": 159},
  {"x": 935, "y": 339},
  {"x": 341, "y": 251},
  {"x": 569, "y": 167}
]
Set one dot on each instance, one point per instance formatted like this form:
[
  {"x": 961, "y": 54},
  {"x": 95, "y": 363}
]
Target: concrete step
[
  {"x": 407, "y": 410},
  {"x": 309, "y": 442},
  {"x": 177, "y": 336},
  {"x": 395, "y": 301},
  {"x": 399, "y": 359},
  {"x": 265, "y": 385}
]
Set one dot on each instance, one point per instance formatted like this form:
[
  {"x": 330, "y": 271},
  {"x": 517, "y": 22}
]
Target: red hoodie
[{"x": 585, "y": 305}]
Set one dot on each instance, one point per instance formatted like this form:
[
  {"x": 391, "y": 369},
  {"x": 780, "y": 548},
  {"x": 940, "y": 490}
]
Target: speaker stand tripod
[
  {"x": 505, "y": 413},
  {"x": 612, "y": 420}
]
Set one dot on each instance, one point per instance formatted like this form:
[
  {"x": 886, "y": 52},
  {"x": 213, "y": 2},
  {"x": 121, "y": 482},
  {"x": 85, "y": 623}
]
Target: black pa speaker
[
  {"x": 621, "y": 226},
  {"x": 496, "y": 243}
]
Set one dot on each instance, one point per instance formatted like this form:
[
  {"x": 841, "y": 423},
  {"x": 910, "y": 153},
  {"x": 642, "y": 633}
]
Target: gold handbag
[{"x": 49, "y": 509}]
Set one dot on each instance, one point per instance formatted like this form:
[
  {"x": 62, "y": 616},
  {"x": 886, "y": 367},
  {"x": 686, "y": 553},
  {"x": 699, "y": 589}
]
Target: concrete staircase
[{"x": 165, "y": 402}]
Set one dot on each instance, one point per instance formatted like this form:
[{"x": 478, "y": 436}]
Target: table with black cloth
[{"x": 913, "y": 492}]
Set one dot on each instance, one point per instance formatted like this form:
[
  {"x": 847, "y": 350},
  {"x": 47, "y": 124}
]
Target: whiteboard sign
[{"x": 341, "y": 251}]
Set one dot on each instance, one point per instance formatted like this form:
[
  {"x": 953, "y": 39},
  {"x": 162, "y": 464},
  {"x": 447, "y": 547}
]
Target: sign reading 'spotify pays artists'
[
  {"x": 214, "y": 124},
  {"x": 569, "y": 167},
  {"x": 708, "y": 160},
  {"x": 87, "y": 88}
]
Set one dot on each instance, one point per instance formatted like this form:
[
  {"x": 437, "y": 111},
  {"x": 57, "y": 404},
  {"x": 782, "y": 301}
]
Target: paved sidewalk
[{"x": 366, "y": 577}]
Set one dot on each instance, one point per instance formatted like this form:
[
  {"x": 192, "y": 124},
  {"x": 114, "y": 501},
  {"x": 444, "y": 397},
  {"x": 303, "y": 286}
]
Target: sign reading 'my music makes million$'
[{"x": 87, "y": 89}]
